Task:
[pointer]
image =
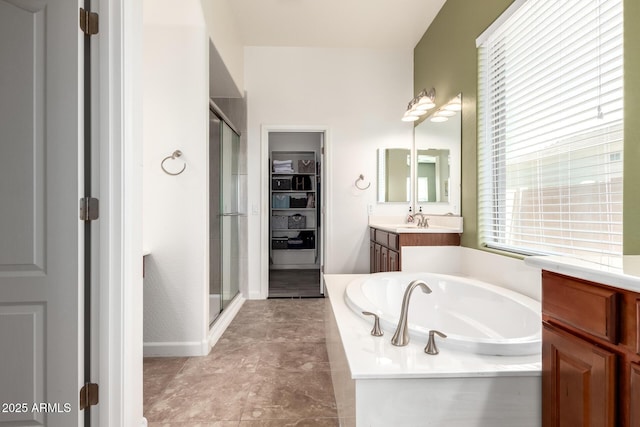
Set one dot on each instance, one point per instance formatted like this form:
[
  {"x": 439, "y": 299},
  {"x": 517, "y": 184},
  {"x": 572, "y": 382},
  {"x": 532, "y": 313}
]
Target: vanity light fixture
[
  {"x": 419, "y": 105},
  {"x": 410, "y": 116},
  {"x": 426, "y": 100},
  {"x": 448, "y": 110},
  {"x": 454, "y": 105}
]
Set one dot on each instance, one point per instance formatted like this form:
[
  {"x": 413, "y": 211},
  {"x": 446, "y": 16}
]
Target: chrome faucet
[
  {"x": 401, "y": 336},
  {"x": 423, "y": 221}
]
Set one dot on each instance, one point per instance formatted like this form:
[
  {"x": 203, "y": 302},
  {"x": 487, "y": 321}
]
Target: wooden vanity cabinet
[
  {"x": 590, "y": 354},
  {"x": 385, "y": 247}
]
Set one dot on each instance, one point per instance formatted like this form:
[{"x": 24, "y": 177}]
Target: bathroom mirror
[
  {"x": 437, "y": 147},
  {"x": 394, "y": 175},
  {"x": 432, "y": 175}
]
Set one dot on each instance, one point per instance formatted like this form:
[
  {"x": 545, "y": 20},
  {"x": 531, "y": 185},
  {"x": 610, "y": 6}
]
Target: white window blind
[{"x": 551, "y": 129}]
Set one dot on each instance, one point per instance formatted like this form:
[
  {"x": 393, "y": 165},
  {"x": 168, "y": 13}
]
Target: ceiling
[{"x": 378, "y": 24}]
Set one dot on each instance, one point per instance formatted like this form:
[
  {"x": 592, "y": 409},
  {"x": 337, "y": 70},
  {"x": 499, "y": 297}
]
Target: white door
[{"x": 40, "y": 232}]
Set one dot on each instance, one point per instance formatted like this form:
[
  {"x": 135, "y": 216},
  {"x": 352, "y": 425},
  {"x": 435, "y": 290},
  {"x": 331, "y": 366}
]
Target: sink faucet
[
  {"x": 423, "y": 221},
  {"x": 401, "y": 336}
]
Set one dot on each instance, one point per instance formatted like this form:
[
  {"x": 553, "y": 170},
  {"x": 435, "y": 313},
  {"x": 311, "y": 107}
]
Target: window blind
[{"x": 551, "y": 129}]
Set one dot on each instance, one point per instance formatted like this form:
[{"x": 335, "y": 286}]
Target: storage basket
[
  {"x": 280, "y": 243},
  {"x": 308, "y": 238},
  {"x": 311, "y": 201},
  {"x": 295, "y": 243},
  {"x": 306, "y": 166},
  {"x": 298, "y": 202},
  {"x": 281, "y": 184},
  {"x": 297, "y": 221},
  {"x": 280, "y": 201},
  {"x": 301, "y": 183},
  {"x": 279, "y": 222}
]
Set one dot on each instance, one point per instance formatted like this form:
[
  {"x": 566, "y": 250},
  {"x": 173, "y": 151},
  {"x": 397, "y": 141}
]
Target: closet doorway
[{"x": 295, "y": 214}]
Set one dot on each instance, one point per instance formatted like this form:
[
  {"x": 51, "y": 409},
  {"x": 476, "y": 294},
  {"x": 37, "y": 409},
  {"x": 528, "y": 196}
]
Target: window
[{"x": 551, "y": 128}]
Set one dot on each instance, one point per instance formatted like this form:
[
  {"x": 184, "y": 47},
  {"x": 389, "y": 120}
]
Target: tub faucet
[
  {"x": 423, "y": 221},
  {"x": 401, "y": 336}
]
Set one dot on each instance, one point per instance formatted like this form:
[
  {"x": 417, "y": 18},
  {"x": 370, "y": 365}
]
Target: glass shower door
[{"x": 229, "y": 214}]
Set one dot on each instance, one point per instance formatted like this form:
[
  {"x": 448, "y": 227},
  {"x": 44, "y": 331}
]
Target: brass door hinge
[
  {"x": 88, "y": 395},
  {"x": 88, "y": 22}
]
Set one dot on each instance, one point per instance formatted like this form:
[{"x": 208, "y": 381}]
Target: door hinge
[
  {"x": 322, "y": 151},
  {"x": 88, "y": 395},
  {"x": 89, "y": 209},
  {"x": 88, "y": 22}
]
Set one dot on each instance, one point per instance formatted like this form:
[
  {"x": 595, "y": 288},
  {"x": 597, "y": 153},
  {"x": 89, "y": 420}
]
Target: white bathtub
[
  {"x": 377, "y": 384},
  {"x": 477, "y": 317}
]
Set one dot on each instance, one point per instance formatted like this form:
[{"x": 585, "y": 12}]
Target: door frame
[
  {"x": 325, "y": 208},
  {"x": 117, "y": 348}
]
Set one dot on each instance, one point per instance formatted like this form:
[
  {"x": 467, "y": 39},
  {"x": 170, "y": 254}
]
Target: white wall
[
  {"x": 221, "y": 27},
  {"x": 499, "y": 270},
  {"x": 360, "y": 95},
  {"x": 175, "y": 211}
]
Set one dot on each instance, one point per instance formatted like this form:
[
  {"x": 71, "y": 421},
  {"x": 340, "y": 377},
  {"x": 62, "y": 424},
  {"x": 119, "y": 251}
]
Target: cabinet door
[
  {"x": 372, "y": 257},
  {"x": 384, "y": 259},
  {"x": 577, "y": 381},
  {"x": 394, "y": 261},
  {"x": 634, "y": 395},
  {"x": 376, "y": 254}
]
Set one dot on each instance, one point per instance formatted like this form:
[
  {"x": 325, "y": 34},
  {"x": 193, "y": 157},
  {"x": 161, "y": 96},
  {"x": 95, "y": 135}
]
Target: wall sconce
[
  {"x": 448, "y": 110},
  {"x": 419, "y": 105}
]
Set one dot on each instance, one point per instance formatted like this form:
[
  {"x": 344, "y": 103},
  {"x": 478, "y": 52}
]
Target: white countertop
[
  {"x": 437, "y": 224},
  {"x": 372, "y": 357},
  {"x": 408, "y": 228},
  {"x": 621, "y": 273}
]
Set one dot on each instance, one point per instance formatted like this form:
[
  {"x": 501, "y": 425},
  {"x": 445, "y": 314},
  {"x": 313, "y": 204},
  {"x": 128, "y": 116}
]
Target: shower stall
[{"x": 225, "y": 214}]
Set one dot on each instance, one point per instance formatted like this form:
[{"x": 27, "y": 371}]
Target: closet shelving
[{"x": 293, "y": 210}]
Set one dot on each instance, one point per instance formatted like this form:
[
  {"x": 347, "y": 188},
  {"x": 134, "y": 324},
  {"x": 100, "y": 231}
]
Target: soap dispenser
[{"x": 410, "y": 216}]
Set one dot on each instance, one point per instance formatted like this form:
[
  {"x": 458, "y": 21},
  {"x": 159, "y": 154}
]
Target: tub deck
[{"x": 377, "y": 384}]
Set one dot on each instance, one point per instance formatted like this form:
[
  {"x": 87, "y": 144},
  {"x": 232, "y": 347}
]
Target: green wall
[
  {"x": 631, "y": 209},
  {"x": 446, "y": 59}
]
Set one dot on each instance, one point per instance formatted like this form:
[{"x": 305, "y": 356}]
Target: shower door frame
[
  {"x": 325, "y": 207},
  {"x": 222, "y": 213}
]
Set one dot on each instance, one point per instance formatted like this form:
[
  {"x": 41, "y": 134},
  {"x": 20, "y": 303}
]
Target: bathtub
[
  {"x": 377, "y": 384},
  {"x": 477, "y": 317}
]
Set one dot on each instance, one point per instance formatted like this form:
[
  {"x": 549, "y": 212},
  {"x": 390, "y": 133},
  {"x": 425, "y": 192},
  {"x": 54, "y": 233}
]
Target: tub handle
[
  {"x": 376, "y": 331},
  {"x": 431, "y": 347}
]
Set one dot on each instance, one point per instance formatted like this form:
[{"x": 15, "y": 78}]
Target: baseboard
[
  {"x": 223, "y": 320},
  {"x": 257, "y": 294},
  {"x": 175, "y": 349}
]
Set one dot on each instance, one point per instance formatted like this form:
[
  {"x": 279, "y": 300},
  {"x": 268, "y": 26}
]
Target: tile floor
[{"x": 269, "y": 369}]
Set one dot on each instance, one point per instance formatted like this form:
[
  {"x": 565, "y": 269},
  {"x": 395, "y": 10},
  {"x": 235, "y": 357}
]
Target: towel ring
[
  {"x": 361, "y": 178},
  {"x": 173, "y": 156}
]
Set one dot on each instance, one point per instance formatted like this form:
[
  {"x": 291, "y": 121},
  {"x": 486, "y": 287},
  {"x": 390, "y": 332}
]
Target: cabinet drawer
[
  {"x": 582, "y": 305},
  {"x": 393, "y": 241},
  {"x": 372, "y": 234},
  {"x": 382, "y": 237}
]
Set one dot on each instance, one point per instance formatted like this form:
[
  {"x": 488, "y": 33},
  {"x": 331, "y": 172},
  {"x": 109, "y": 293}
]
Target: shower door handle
[{"x": 231, "y": 214}]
